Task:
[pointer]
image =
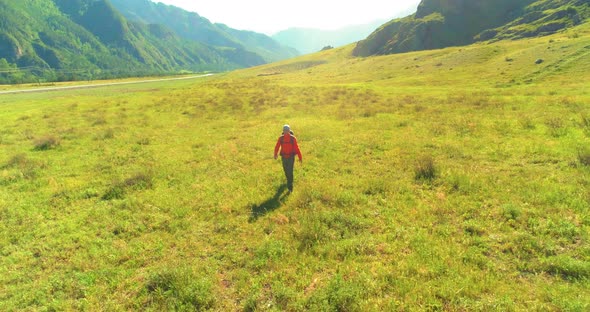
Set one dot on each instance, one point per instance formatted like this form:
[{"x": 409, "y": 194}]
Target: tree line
[{"x": 12, "y": 74}]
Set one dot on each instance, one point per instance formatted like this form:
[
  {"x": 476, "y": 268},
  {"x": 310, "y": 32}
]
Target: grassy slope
[{"x": 165, "y": 195}]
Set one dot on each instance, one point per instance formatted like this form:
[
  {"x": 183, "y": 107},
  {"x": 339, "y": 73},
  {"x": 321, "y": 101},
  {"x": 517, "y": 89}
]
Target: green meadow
[{"x": 453, "y": 180}]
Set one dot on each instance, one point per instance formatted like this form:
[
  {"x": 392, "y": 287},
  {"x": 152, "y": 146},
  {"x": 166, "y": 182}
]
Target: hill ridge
[
  {"x": 192, "y": 26},
  {"x": 439, "y": 24}
]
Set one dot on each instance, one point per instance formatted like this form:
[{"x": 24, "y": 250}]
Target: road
[{"x": 98, "y": 85}]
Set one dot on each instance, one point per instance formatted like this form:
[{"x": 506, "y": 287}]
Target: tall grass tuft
[
  {"x": 25, "y": 167},
  {"x": 556, "y": 127},
  {"x": 179, "y": 290},
  {"x": 313, "y": 232},
  {"x": 425, "y": 169},
  {"x": 585, "y": 123},
  {"x": 46, "y": 143},
  {"x": 18, "y": 160},
  {"x": 527, "y": 123},
  {"x": 584, "y": 157},
  {"x": 567, "y": 267},
  {"x": 341, "y": 294},
  {"x": 140, "y": 181}
]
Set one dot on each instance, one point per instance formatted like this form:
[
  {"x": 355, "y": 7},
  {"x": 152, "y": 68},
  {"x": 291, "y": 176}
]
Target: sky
[{"x": 272, "y": 16}]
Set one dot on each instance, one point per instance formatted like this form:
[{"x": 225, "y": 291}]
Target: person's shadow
[{"x": 268, "y": 205}]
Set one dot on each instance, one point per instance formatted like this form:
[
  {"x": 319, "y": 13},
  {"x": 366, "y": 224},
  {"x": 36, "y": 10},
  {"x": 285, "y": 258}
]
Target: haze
[{"x": 271, "y": 16}]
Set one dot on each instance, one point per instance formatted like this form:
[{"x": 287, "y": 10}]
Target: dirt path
[{"x": 98, "y": 85}]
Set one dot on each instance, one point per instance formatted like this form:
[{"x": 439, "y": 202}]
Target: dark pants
[{"x": 288, "y": 164}]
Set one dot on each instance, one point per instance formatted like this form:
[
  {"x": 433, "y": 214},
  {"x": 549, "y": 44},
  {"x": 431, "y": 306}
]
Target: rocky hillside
[{"x": 443, "y": 23}]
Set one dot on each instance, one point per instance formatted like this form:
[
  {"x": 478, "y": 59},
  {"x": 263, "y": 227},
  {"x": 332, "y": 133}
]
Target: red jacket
[{"x": 288, "y": 146}]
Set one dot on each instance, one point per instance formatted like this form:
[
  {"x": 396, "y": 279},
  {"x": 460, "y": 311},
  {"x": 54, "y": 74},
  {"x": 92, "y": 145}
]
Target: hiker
[{"x": 287, "y": 143}]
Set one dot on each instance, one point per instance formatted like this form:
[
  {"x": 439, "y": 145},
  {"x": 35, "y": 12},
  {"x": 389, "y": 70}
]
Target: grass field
[{"x": 456, "y": 179}]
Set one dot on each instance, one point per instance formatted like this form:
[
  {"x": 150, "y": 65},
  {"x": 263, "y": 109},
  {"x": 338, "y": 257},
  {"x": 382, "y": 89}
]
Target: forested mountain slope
[
  {"x": 55, "y": 40},
  {"x": 192, "y": 26}
]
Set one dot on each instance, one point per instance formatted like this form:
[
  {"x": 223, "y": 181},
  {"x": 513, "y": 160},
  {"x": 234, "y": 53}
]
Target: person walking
[{"x": 287, "y": 144}]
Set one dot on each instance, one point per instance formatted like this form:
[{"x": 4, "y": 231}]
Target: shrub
[
  {"x": 46, "y": 143},
  {"x": 425, "y": 169}
]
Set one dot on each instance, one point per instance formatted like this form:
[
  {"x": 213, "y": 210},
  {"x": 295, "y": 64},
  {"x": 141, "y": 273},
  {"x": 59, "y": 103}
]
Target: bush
[
  {"x": 425, "y": 169},
  {"x": 46, "y": 143}
]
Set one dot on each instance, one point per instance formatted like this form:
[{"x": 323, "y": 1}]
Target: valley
[{"x": 451, "y": 179}]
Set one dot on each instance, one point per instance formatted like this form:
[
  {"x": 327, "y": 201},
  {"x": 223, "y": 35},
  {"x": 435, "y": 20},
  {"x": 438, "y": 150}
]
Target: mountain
[
  {"x": 444, "y": 23},
  {"x": 270, "y": 49},
  {"x": 192, "y": 26},
  {"x": 309, "y": 40},
  {"x": 82, "y": 39}
]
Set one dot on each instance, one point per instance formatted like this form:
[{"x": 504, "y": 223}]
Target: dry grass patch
[{"x": 46, "y": 143}]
